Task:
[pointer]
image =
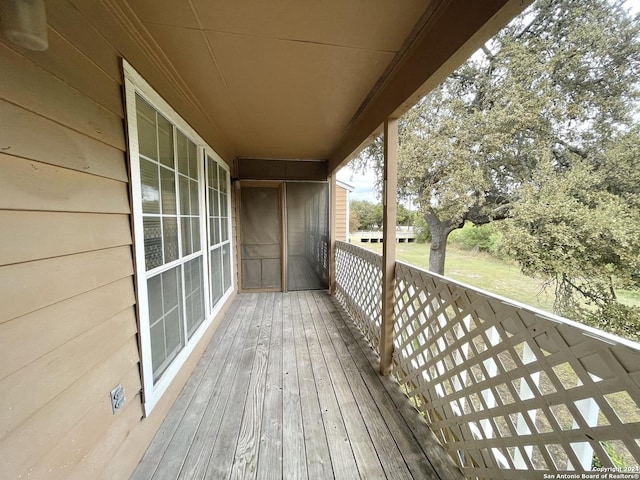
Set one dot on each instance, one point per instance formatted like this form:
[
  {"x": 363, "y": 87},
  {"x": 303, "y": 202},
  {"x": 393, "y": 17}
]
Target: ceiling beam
[{"x": 449, "y": 35}]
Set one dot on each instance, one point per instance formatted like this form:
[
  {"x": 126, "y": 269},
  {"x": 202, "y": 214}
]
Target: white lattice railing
[
  {"x": 359, "y": 288},
  {"x": 511, "y": 391}
]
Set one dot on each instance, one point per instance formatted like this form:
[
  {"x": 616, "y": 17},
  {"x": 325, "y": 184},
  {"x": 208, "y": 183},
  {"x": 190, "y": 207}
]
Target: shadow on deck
[{"x": 289, "y": 389}]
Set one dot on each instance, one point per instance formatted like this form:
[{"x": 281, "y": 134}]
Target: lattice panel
[
  {"x": 510, "y": 391},
  {"x": 359, "y": 288}
]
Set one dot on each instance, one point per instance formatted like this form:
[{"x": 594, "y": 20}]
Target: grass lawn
[{"x": 488, "y": 273}]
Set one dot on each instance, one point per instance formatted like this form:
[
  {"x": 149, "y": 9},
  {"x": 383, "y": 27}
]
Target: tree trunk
[{"x": 439, "y": 233}]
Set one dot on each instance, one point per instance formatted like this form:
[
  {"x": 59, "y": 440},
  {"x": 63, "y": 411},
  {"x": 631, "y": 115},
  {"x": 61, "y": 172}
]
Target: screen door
[
  {"x": 261, "y": 237},
  {"x": 307, "y": 235}
]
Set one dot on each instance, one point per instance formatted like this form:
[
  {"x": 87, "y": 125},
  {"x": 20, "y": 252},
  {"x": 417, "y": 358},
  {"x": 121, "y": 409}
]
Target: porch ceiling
[{"x": 310, "y": 80}]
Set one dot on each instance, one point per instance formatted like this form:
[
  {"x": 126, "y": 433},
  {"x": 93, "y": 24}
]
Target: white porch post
[
  {"x": 390, "y": 186},
  {"x": 332, "y": 232}
]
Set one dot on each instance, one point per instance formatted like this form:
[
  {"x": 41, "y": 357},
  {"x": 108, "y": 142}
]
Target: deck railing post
[
  {"x": 390, "y": 186},
  {"x": 332, "y": 232}
]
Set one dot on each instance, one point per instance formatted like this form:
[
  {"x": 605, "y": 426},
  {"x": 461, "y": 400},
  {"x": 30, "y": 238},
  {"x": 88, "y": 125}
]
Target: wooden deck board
[
  {"x": 289, "y": 389},
  {"x": 422, "y": 452},
  {"x": 342, "y": 458},
  {"x": 391, "y": 459},
  {"x": 245, "y": 462},
  {"x": 294, "y": 458},
  {"x": 364, "y": 452},
  {"x": 221, "y": 460},
  {"x": 188, "y": 403},
  {"x": 197, "y": 459},
  {"x": 270, "y": 459},
  {"x": 301, "y": 275},
  {"x": 315, "y": 439}
]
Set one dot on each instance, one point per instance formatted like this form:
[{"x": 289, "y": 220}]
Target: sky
[{"x": 364, "y": 183}]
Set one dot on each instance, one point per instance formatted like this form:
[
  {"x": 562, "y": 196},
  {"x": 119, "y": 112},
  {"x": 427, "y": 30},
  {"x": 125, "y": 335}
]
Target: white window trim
[{"x": 135, "y": 84}]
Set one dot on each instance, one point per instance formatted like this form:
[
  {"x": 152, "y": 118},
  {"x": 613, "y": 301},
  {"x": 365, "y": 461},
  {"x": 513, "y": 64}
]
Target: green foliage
[
  {"x": 423, "y": 235},
  {"x": 570, "y": 228},
  {"x": 354, "y": 223},
  {"x": 484, "y": 238},
  {"x": 616, "y": 458},
  {"x": 615, "y": 317},
  {"x": 538, "y": 127},
  {"x": 404, "y": 216},
  {"x": 369, "y": 215}
]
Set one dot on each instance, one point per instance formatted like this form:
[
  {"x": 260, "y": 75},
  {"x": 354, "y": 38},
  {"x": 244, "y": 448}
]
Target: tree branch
[
  {"x": 598, "y": 299},
  {"x": 478, "y": 215},
  {"x": 526, "y": 29},
  {"x": 488, "y": 52},
  {"x": 573, "y": 149}
]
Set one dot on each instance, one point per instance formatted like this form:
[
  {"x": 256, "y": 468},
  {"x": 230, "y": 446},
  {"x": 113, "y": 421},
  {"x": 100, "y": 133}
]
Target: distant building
[{"x": 342, "y": 210}]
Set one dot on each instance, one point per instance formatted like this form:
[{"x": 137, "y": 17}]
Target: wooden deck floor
[
  {"x": 302, "y": 276},
  {"x": 288, "y": 389}
]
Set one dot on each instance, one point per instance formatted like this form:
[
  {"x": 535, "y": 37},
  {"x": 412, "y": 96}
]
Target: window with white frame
[{"x": 181, "y": 216}]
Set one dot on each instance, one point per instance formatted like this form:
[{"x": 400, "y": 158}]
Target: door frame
[{"x": 281, "y": 186}]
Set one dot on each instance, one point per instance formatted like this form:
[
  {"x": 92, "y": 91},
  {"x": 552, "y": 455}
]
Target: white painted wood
[
  {"x": 136, "y": 85},
  {"x": 359, "y": 288}
]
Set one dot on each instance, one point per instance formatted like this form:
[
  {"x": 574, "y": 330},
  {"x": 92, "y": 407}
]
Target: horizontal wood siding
[
  {"x": 73, "y": 150},
  {"x": 66, "y": 234},
  {"x": 342, "y": 221},
  {"x": 67, "y": 316},
  {"x": 68, "y": 327}
]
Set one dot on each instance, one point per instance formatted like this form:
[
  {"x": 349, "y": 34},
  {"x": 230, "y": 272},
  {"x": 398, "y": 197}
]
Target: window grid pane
[
  {"x": 189, "y": 201},
  {"x": 194, "y": 297},
  {"x": 150, "y": 187},
  {"x": 172, "y": 229},
  {"x": 157, "y": 186},
  {"x": 170, "y": 238},
  {"x": 152, "y": 242},
  {"x": 215, "y": 258},
  {"x": 214, "y": 202},
  {"x": 219, "y": 246},
  {"x": 165, "y": 141},
  {"x": 183, "y": 153},
  {"x": 147, "y": 131},
  {"x": 226, "y": 266},
  {"x": 224, "y": 205},
  {"x": 164, "y": 293}
]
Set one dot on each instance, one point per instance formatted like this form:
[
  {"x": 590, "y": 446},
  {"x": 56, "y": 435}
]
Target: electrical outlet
[{"x": 117, "y": 398}]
